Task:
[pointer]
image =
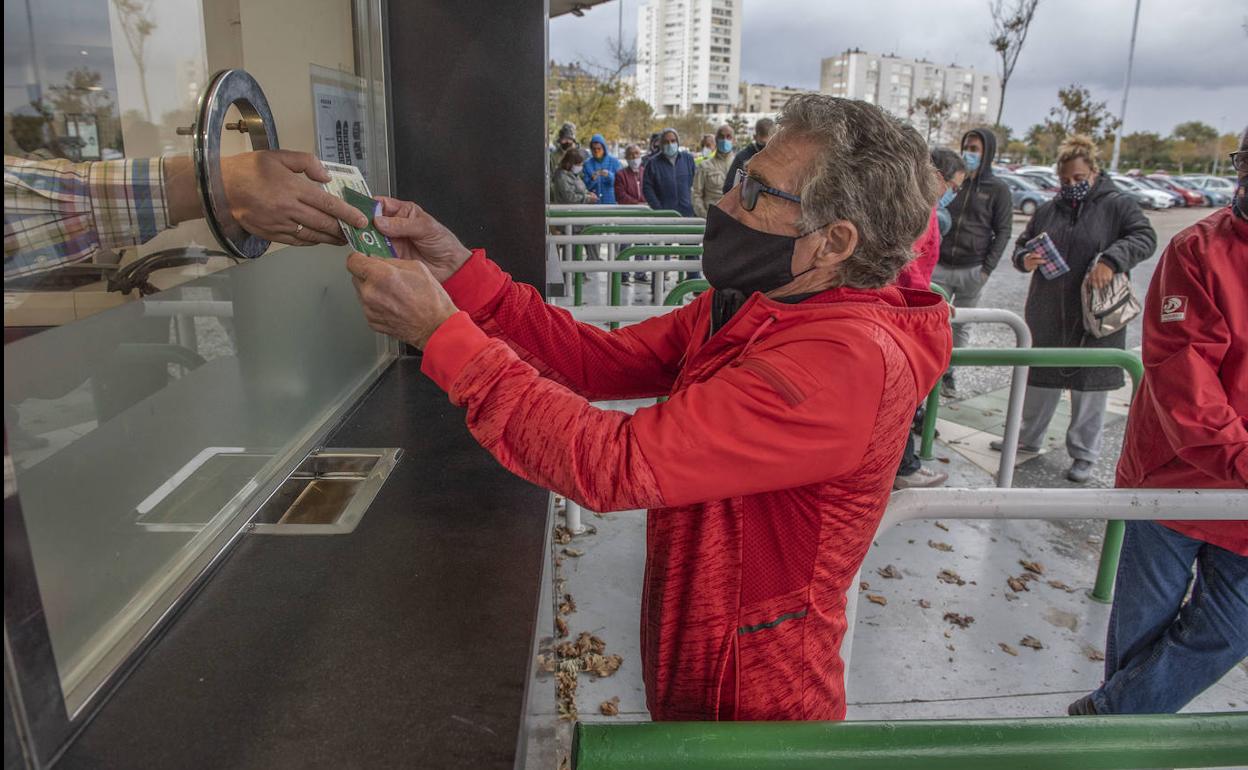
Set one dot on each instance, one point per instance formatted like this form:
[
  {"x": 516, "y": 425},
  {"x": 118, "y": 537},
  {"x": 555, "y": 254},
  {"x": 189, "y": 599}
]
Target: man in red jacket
[
  {"x": 1188, "y": 428},
  {"x": 790, "y": 387}
]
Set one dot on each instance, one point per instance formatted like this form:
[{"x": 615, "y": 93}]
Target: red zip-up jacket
[
  {"x": 765, "y": 473},
  {"x": 1188, "y": 426},
  {"x": 628, "y": 185},
  {"x": 917, "y": 274}
]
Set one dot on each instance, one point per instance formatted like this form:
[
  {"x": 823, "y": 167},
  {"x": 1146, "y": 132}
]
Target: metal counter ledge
[{"x": 403, "y": 644}]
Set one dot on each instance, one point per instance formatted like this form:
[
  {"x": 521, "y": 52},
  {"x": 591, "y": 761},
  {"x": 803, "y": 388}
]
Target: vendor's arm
[{"x": 635, "y": 362}]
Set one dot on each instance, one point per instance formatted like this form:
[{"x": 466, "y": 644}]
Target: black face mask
[{"x": 739, "y": 260}]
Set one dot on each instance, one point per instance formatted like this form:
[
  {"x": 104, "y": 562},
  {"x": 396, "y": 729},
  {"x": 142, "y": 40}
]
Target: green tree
[
  {"x": 590, "y": 94},
  {"x": 1042, "y": 140},
  {"x": 691, "y": 126},
  {"x": 1203, "y": 141},
  {"x": 1077, "y": 113},
  {"x": 738, "y": 123},
  {"x": 932, "y": 111},
  {"x": 636, "y": 119},
  {"x": 1145, "y": 149},
  {"x": 1010, "y": 22},
  {"x": 137, "y": 26}
]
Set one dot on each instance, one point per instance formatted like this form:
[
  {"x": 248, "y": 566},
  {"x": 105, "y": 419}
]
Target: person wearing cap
[
  {"x": 564, "y": 141},
  {"x": 708, "y": 182}
]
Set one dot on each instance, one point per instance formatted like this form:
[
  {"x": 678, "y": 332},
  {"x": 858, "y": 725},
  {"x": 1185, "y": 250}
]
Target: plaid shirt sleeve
[{"x": 57, "y": 212}]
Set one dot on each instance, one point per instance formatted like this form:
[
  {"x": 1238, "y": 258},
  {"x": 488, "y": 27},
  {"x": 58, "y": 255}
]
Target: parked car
[
  {"x": 1147, "y": 197},
  {"x": 1046, "y": 180},
  {"x": 1026, "y": 194},
  {"x": 1179, "y": 200},
  {"x": 1192, "y": 196},
  {"x": 1217, "y": 191}
]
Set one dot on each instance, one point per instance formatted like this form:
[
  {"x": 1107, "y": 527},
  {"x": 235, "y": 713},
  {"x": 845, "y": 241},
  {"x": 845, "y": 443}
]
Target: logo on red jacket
[{"x": 1173, "y": 308}]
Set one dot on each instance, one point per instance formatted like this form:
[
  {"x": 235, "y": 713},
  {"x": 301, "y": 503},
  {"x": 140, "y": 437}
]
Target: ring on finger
[{"x": 298, "y": 228}]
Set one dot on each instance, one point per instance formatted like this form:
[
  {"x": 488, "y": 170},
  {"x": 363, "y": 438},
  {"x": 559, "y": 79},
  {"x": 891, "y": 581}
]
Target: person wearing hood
[
  {"x": 600, "y": 169},
  {"x": 564, "y": 141},
  {"x": 1098, "y": 231},
  {"x": 668, "y": 181},
  {"x": 1172, "y": 636},
  {"x": 789, "y": 387},
  {"x": 706, "y": 149},
  {"x": 982, "y": 213},
  {"x": 708, "y": 181}
]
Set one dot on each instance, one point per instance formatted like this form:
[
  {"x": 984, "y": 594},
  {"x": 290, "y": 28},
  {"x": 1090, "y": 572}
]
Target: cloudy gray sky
[{"x": 1190, "y": 61}]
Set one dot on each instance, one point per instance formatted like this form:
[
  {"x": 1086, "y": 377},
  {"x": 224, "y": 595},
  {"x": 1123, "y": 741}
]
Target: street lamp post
[{"x": 1126, "y": 88}]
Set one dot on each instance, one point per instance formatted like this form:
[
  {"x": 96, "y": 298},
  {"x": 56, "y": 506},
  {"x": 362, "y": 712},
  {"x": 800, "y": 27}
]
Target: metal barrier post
[
  {"x": 654, "y": 251},
  {"x": 677, "y": 295}
]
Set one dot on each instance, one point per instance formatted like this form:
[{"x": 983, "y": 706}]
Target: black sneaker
[
  {"x": 1084, "y": 707},
  {"x": 948, "y": 388}
]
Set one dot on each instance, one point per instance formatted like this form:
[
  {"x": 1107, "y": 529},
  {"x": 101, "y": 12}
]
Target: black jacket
[
  {"x": 738, "y": 163},
  {"x": 1107, "y": 223},
  {"x": 981, "y": 215}
]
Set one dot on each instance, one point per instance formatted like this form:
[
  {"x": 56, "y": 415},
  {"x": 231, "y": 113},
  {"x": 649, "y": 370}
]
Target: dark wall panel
[{"x": 467, "y": 80}]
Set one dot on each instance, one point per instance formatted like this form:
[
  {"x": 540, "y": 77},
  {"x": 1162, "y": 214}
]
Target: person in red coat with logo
[
  {"x": 1188, "y": 427},
  {"x": 790, "y": 387}
]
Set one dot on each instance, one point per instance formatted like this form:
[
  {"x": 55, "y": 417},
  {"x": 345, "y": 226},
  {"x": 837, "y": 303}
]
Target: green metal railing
[
  {"x": 578, "y": 252},
  {"x": 1066, "y": 743},
  {"x": 678, "y": 293},
  {"x": 940, "y": 290},
  {"x": 609, "y": 212},
  {"x": 1066, "y": 357},
  {"x": 646, "y": 251}
]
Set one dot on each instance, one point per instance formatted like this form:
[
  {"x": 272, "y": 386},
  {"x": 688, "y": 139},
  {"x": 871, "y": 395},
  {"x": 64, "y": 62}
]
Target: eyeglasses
[
  {"x": 1239, "y": 160},
  {"x": 751, "y": 188}
]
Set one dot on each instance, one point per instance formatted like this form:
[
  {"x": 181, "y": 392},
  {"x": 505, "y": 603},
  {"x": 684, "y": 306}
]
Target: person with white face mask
[
  {"x": 628, "y": 179},
  {"x": 668, "y": 183},
  {"x": 569, "y": 185}
]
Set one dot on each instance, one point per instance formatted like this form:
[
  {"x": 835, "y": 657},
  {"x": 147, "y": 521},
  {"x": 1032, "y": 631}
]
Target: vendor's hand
[
  {"x": 1032, "y": 261},
  {"x": 272, "y": 192},
  {"x": 401, "y": 298},
  {"x": 417, "y": 236},
  {"x": 1101, "y": 275}
]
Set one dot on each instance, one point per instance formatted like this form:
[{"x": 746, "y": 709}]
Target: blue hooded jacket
[{"x": 602, "y": 186}]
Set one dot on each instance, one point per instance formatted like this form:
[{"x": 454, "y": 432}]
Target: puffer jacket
[
  {"x": 601, "y": 184},
  {"x": 982, "y": 213},
  {"x": 1106, "y": 223},
  {"x": 1188, "y": 426},
  {"x": 765, "y": 473}
]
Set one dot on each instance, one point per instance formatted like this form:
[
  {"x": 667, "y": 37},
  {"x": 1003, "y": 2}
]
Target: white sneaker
[{"x": 920, "y": 478}]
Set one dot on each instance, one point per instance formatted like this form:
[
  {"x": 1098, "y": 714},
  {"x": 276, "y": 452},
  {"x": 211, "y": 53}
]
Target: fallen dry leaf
[
  {"x": 575, "y": 553},
  {"x": 568, "y": 605},
  {"x": 561, "y": 627},
  {"x": 949, "y": 576},
  {"x": 1017, "y": 584},
  {"x": 864, "y": 586},
  {"x": 547, "y": 663},
  {"x": 602, "y": 665},
  {"x": 563, "y": 535},
  {"x": 944, "y": 460},
  {"x": 1032, "y": 566},
  {"x": 1061, "y": 586},
  {"x": 1032, "y": 642},
  {"x": 961, "y": 621},
  {"x": 889, "y": 572},
  {"x": 1094, "y": 654},
  {"x": 950, "y": 648},
  {"x": 1007, "y": 649},
  {"x": 925, "y": 604},
  {"x": 939, "y": 546},
  {"x": 1011, "y": 597},
  {"x": 877, "y": 599},
  {"x": 610, "y": 708},
  {"x": 941, "y": 526}
]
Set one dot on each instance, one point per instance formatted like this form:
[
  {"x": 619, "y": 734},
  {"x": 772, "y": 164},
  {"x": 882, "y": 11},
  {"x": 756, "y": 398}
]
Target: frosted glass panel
[{"x": 145, "y": 428}]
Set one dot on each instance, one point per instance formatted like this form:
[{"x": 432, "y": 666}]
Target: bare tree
[
  {"x": 137, "y": 24},
  {"x": 1010, "y": 21},
  {"x": 590, "y": 94},
  {"x": 934, "y": 110}
]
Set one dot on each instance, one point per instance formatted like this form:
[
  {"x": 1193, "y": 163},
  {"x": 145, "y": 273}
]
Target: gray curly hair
[{"x": 871, "y": 170}]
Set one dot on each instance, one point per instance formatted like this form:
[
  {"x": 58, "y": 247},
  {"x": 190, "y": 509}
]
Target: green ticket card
[{"x": 366, "y": 240}]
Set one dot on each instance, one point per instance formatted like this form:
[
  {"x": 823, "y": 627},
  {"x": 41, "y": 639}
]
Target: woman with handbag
[{"x": 1080, "y": 248}]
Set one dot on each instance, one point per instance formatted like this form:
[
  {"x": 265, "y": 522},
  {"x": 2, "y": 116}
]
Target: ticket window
[{"x": 152, "y": 390}]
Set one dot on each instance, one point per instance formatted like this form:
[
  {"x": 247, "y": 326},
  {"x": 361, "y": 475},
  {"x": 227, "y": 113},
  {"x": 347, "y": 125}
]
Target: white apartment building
[
  {"x": 689, "y": 55},
  {"x": 763, "y": 98},
  {"x": 895, "y": 83}
]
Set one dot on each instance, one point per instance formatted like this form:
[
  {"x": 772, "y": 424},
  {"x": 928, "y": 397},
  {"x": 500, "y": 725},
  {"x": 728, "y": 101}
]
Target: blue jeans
[{"x": 1160, "y": 653}]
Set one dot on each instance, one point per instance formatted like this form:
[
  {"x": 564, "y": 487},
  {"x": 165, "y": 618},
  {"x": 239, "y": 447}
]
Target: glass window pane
[{"x": 152, "y": 382}]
